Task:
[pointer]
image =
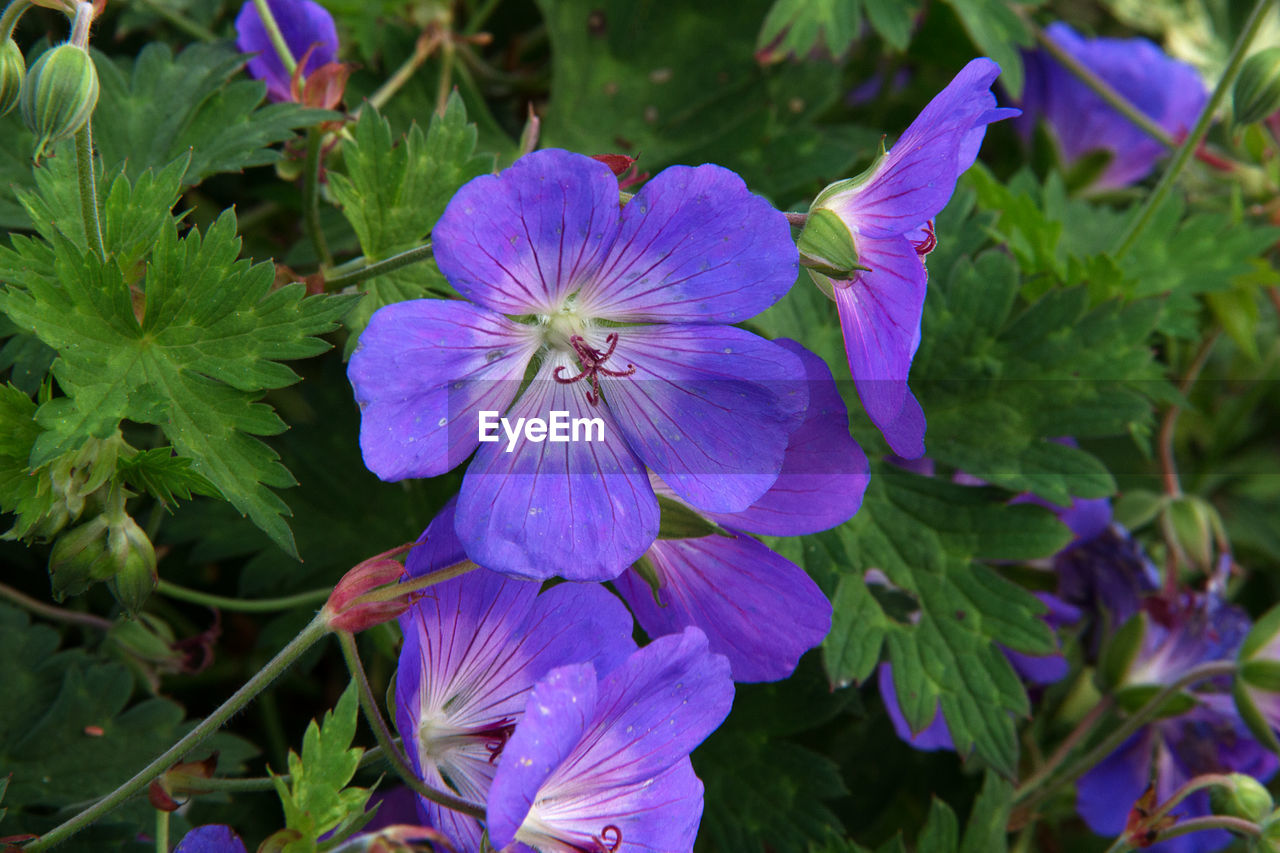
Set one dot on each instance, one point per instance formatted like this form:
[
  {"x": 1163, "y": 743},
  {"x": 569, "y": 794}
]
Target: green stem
[
  {"x": 162, "y": 831},
  {"x": 89, "y": 190},
  {"x": 243, "y": 605},
  {"x": 1111, "y": 742},
  {"x": 1082, "y": 730},
  {"x": 308, "y": 637},
  {"x": 1192, "y": 142},
  {"x": 311, "y": 198},
  {"x": 277, "y": 38},
  {"x": 395, "y": 262},
  {"x": 191, "y": 28},
  {"x": 382, "y": 733},
  {"x": 267, "y": 783},
  {"x": 57, "y": 614},
  {"x": 1198, "y": 783},
  {"x": 478, "y": 18},
  {"x": 397, "y": 590},
  {"x": 1196, "y": 824},
  {"x": 9, "y": 19},
  {"x": 422, "y": 48},
  {"x": 447, "y": 53}
]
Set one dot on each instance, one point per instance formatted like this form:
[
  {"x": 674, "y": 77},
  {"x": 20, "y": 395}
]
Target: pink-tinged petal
[
  {"x": 421, "y": 372},
  {"x": 709, "y": 408},
  {"x": 557, "y": 715},
  {"x": 880, "y": 315},
  {"x": 305, "y": 25},
  {"x": 520, "y": 242},
  {"x": 582, "y": 510},
  {"x": 824, "y": 471},
  {"x": 932, "y": 737},
  {"x": 696, "y": 246},
  {"x": 758, "y": 609},
  {"x": 917, "y": 177}
]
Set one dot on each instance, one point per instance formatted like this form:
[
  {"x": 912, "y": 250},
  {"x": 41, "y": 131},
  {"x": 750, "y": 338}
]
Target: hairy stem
[
  {"x": 311, "y": 197},
  {"x": 162, "y": 831},
  {"x": 1168, "y": 466},
  {"x": 308, "y": 637},
  {"x": 1192, "y": 142},
  {"x": 243, "y": 605},
  {"x": 89, "y": 190},
  {"x": 382, "y": 733},
  {"x": 1195, "y": 824},
  {"x": 422, "y": 49},
  {"x": 277, "y": 37},
  {"x": 9, "y": 19},
  {"x": 57, "y": 614},
  {"x": 1081, "y": 732},
  {"x": 395, "y": 262}
]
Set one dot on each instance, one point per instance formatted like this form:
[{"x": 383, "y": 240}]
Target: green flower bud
[
  {"x": 135, "y": 560},
  {"x": 1245, "y": 798},
  {"x": 79, "y": 558},
  {"x": 13, "y": 69},
  {"x": 59, "y": 95},
  {"x": 1257, "y": 91}
]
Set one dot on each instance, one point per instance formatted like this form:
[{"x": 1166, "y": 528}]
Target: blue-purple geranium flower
[
  {"x": 889, "y": 213},
  {"x": 602, "y": 763},
  {"x": 582, "y": 306},
  {"x": 473, "y": 648},
  {"x": 211, "y": 838},
  {"x": 1170, "y": 92},
  {"x": 308, "y": 30},
  {"x": 758, "y": 609}
]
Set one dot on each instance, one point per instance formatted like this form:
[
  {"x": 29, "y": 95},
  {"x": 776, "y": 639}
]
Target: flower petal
[
  {"x": 880, "y": 315},
  {"x": 520, "y": 242},
  {"x": 1105, "y": 794},
  {"x": 709, "y": 408},
  {"x": 211, "y": 838},
  {"x": 917, "y": 177},
  {"x": 758, "y": 609},
  {"x": 582, "y": 510},
  {"x": 695, "y": 246},
  {"x": 935, "y": 736},
  {"x": 824, "y": 471},
  {"x": 422, "y": 371},
  {"x": 303, "y": 23}
]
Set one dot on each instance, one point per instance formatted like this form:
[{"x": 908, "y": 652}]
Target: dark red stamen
[
  {"x": 495, "y": 737},
  {"x": 929, "y": 243},
  {"x": 592, "y": 361},
  {"x": 608, "y": 841}
]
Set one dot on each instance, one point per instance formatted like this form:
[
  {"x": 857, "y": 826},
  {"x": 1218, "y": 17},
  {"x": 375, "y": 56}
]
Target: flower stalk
[
  {"x": 377, "y": 268},
  {"x": 277, "y": 38}
]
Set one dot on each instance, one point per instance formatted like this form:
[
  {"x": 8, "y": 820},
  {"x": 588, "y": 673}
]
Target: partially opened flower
[
  {"x": 308, "y": 30},
  {"x": 758, "y": 609},
  {"x": 1169, "y": 92},
  {"x": 617, "y": 316},
  {"x": 602, "y": 764},
  {"x": 473, "y": 647},
  {"x": 870, "y": 234}
]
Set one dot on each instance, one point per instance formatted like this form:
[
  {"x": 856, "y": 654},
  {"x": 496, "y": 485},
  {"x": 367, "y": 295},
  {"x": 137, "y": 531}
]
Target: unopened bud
[
  {"x": 79, "y": 558},
  {"x": 1244, "y": 798},
  {"x": 826, "y": 244},
  {"x": 181, "y": 780},
  {"x": 1190, "y": 523},
  {"x": 59, "y": 95},
  {"x": 1257, "y": 91},
  {"x": 344, "y": 611},
  {"x": 13, "y": 70},
  {"x": 134, "y": 559}
]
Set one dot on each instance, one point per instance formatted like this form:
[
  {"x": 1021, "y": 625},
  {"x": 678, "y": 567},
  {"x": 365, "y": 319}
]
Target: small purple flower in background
[
  {"x": 602, "y": 764},
  {"x": 473, "y": 647},
  {"x": 618, "y": 315},
  {"x": 759, "y": 610},
  {"x": 305, "y": 25},
  {"x": 888, "y": 213},
  {"x": 1170, "y": 92},
  {"x": 211, "y": 838}
]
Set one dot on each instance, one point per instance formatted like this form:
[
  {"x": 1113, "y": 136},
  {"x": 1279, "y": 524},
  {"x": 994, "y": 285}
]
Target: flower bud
[
  {"x": 1257, "y": 91},
  {"x": 344, "y": 612},
  {"x": 826, "y": 243},
  {"x": 1190, "y": 524},
  {"x": 134, "y": 560},
  {"x": 181, "y": 780},
  {"x": 79, "y": 558},
  {"x": 13, "y": 69},
  {"x": 59, "y": 95},
  {"x": 1244, "y": 798}
]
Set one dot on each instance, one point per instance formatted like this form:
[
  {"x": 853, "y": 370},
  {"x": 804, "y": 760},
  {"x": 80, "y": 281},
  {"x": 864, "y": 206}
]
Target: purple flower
[
  {"x": 759, "y": 610},
  {"x": 305, "y": 25},
  {"x": 473, "y": 647},
  {"x": 617, "y": 315},
  {"x": 211, "y": 838},
  {"x": 889, "y": 213},
  {"x": 602, "y": 764},
  {"x": 1170, "y": 92}
]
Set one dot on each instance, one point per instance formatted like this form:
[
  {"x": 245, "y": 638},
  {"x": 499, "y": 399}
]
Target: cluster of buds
[{"x": 109, "y": 547}]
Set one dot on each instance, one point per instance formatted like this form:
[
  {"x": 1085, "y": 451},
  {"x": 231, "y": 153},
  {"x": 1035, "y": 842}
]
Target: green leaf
[
  {"x": 164, "y": 106},
  {"x": 797, "y": 27},
  {"x": 999, "y": 32},
  {"x": 30, "y": 498},
  {"x": 209, "y": 341},
  {"x": 941, "y": 833},
  {"x": 393, "y": 192},
  {"x": 316, "y": 798},
  {"x": 164, "y": 476}
]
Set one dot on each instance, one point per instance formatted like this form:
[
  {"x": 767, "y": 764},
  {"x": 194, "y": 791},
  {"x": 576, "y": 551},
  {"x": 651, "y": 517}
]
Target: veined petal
[
  {"x": 759, "y": 610},
  {"x": 917, "y": 177},
  {"x": 709, "y": 408},
  {"x": 695, "y": 246},
  {"x": 932, "y": 737},
  {"x": 880, "y": 315},
  {"x": 520, "y": 242},
  {"x": 303, "y": 23},
  {"x": 422, "y": 371},
  {"x": 582, "y": 510},
  {"x": 824, "y": 471}
]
